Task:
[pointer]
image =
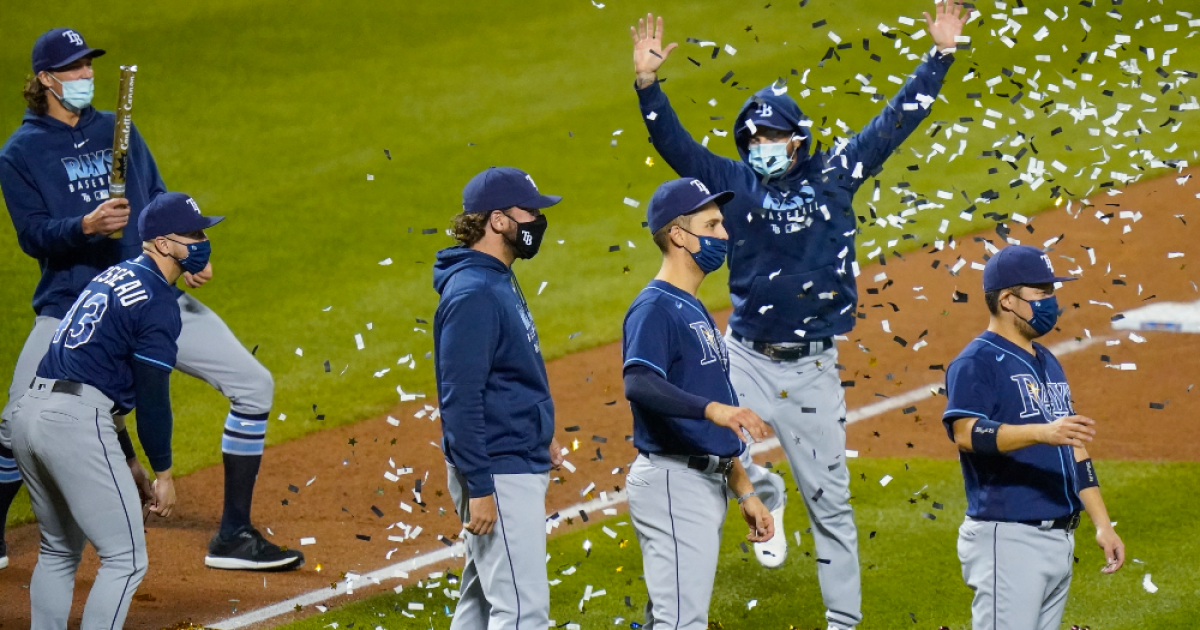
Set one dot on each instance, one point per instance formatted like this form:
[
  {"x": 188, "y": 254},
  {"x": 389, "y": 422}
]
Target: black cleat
[{"x": 249, "y": 551}]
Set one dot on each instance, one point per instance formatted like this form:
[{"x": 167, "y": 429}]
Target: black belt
[
  {"x": 71, "y": 388},
  {"x": 701, "y": 463},
  {"x": 786, "y": 352},
  {"x": 1069, "y": 523},
  {"x": 63, "y": 387}
]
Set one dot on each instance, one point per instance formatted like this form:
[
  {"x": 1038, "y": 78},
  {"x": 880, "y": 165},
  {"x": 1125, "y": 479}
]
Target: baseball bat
[{"x": 124, "y": 126}]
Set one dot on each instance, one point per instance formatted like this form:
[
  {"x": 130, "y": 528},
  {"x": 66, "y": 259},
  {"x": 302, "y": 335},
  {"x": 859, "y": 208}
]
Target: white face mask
[
  {"x": 76, "y": 94},
  {"x": 770, "y": 158}
]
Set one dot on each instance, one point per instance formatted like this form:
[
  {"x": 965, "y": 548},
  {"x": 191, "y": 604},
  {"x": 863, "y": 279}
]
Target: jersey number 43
[{"x": 90, "y": 309}]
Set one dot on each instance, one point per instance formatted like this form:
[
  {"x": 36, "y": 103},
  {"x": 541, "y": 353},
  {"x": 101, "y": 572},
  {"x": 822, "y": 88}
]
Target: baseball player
[
  {"x": 54, "y": 174},
  {"x": 792, "y": 279},
  {"x": 1023, "y": 453},
  {"x": 114, "y": 349},
  {"x": 497, "y": 415},
  {"x": 687, "y": 427}
]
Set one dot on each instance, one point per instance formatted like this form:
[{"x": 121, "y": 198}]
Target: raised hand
[
  {"x": 1069, "y": 431},
  {"x": 648, "y": 50},
  {"x": 947, "y": 23},
  {"x": 742, "y": 420}
]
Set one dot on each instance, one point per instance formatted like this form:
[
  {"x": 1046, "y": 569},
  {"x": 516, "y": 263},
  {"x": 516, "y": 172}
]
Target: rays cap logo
[
  {"x": 1019, "y": 265},
  {"x": 60, "y": 47},
  {"x": 764, "y": 115},
  {"x": 173, "y": 213},
  {"x": 502, "y": 187},
  {"x": 678, "y": 197}
]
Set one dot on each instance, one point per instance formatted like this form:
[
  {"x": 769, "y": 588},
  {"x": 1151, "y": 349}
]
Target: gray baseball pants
[
  {"x": 677, "y": 513},
  {"x": 504, "y": 584},
  {"x": 208, "y": 350},
  {"x": 82, "y": 491},
  {"x": 1019, "y": 573},
  {"x": 804, "y": 403}
]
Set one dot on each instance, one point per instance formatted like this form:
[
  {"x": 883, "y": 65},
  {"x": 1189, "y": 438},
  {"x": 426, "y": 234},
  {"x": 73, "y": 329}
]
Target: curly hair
[
  {"x": 35, "y": 96},
  {"x": 469, "y": 227}
]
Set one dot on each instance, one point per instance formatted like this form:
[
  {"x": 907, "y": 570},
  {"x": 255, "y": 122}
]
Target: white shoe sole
[
  {"x": 3, "y": 562},
  {"x": 772, "y": 553},
  {"x": 236, "y": 564}
]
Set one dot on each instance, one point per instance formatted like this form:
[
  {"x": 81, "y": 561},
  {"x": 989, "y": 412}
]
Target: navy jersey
[
  {"x": 127, "y": 313},
  {"x": 994, "y": 378},
  {"x": 669, "y": 331}
]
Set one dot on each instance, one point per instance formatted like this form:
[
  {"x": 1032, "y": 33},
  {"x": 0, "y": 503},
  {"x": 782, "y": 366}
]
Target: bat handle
[{"x": 116, "y": 190}]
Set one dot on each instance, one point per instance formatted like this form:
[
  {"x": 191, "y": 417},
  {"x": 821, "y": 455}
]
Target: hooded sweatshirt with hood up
[
  {"x": 791, "y": 250},
  {"x": 497, "y": 416},
  {"x": 53, "y": 174}
]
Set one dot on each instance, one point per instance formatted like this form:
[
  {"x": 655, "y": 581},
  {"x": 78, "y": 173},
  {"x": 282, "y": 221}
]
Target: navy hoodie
[
  {"x": 497, "y": 416},
  {"x": 792, "y": 238},
  {"x": 53, "y": 174}
]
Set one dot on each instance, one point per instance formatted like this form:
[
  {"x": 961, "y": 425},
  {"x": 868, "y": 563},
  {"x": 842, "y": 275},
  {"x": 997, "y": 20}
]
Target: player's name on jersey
[{"x": 130, "y": 293}]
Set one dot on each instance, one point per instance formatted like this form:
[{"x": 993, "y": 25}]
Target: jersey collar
[{"x": 143, "y": 262}]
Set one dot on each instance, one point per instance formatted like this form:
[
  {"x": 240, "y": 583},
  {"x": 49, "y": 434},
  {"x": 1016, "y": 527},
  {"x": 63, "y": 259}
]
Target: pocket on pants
[
  {"x": 50, "y": 415},
  {"x": 632, "y": 479}
]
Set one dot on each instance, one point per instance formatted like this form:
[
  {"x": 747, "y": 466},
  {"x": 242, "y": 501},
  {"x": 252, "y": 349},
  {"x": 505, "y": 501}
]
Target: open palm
[
  {"x": 947, "y": 23},
  {"x": 648, "y": 51}
]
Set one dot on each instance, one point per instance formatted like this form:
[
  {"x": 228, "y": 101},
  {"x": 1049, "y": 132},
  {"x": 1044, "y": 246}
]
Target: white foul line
[{"x": 431, "y": 558}]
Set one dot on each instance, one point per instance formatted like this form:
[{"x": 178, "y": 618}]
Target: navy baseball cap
[
  {"x": 679, "y": 197},
  {"x": 502, "y": 187},
  {"x": 1019, "y": 264},
  {"x": 59, "y": 47},
  {"x": 173, "y": 213},
  {"x": 765, "y": 115}
]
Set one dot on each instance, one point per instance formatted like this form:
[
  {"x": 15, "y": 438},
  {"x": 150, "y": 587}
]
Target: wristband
[
  {"x": 1085, "y": 475},
  {"x": 746, "y": 496},
  {"x": 983, "y": 436},
  {"x": 126, "y": 444}
]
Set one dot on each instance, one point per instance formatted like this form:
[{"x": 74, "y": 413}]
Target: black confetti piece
[
  {"x": 363, "y": 537},
  {"x": 378, "y": 512},
  {"x": 912, "y": 409},
  {"x": 293, "y": 489}
]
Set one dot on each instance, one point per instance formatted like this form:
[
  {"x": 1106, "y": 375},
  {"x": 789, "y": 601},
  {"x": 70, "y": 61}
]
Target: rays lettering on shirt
[
  {"x": 1052, "y": 401},
  {"x": 712, "y": 344}
]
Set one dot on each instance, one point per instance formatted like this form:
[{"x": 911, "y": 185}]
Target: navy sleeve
[
  {"x": 891, "y": 127},
  {"x": 39, "y": 234},
  {"x": 467, "y": 345},
  {"x": 157, "y": 338},
  {"x": 145, "y": 165},
  {"x": 686, "y": 156},
  {"x": 970, "y": 392},
  {"x": 649, "y": 389},
  {"x": 152, "y": 391},
  {"x": 648, "y": 338}
]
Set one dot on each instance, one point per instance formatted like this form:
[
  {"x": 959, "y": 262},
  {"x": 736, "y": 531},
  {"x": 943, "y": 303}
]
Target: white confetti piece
[
  {"x": 385, "y": 262},
  {"x": 730, "y": 49},
  {"x": 1175, "y": 255},
  {"x": 632, "y": 202},
  {"x": 370, "y": 177},
  {"x": 1148, "y": 585},
  {"x": 886, "y": 480},
  {"x": 542, "y": 287},
  {"x": 308, "y": 541},
  {"x": 358, "y": 341},
  {"x": 299, "y": 352}
]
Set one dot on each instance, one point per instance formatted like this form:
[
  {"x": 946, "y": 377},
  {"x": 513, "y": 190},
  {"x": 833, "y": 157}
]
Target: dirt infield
[{"x": 326, "y": 484}]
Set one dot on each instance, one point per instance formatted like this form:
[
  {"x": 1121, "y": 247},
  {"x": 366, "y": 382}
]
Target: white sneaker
[{"x": 772, "y": 553}]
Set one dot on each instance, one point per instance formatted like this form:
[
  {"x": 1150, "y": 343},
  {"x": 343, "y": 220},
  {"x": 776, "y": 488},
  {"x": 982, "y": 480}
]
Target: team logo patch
[{"x": 73, "y": 37}]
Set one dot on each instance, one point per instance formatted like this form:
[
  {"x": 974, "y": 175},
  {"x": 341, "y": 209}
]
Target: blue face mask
[
  {"x": 76, "y": 94},
  {"x": 197, "y": 258},
  {"x": 1045, "y": 314},
  {"x": 712, "y": 253},
  {"x": 770, "y": 158}
]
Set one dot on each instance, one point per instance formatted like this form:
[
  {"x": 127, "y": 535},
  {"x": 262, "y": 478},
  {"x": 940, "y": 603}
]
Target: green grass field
[
  {"x": 911, "y": 573},
  {"x": 276, "y": 113}
]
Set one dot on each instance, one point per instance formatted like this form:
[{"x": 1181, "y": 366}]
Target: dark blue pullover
[
  {"x": 52, "y": 175},
  {"x": 792, "y": 238},
  {"x": 497, "y": 416}
]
